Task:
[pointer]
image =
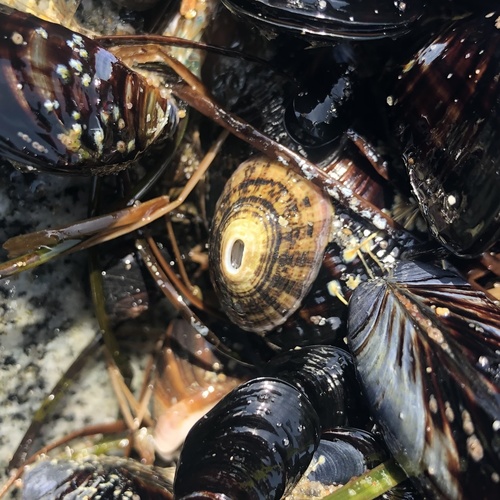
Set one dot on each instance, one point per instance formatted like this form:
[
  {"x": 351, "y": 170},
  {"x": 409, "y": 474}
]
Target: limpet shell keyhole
[{"x": 237, "y": 252}]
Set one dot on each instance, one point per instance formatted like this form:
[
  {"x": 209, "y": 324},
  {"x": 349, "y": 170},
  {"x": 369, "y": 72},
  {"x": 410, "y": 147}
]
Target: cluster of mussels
[{"x": 342, "y": 249}]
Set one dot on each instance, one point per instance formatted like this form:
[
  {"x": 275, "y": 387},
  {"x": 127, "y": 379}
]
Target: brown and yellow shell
[{"x": 269, "y": 234}]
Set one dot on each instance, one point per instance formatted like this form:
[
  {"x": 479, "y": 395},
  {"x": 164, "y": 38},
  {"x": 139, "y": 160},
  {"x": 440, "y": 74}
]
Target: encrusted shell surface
[
  {"x": 70, "y": 106},
  {"x": 269, "y": 234},
  {"x": 95, "y": 478}
]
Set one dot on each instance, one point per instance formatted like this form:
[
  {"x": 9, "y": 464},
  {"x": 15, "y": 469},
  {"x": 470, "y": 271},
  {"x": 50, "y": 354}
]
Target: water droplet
[
  {"x": 483, "y": 361},
  {"x": 321, "y": 4}
]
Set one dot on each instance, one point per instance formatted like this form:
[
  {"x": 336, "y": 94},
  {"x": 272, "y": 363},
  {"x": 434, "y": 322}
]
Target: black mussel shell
[
  {"x": 96, "y": 478},
  {"x": 325, "y": 105},
  {"x": 446, "y": 104},
  {"x": 256, "y": 443},
  {"x": 326, "y": 376},
  {"x": 324, "y": 19},
  {"x": 427, "y": 351},
  {"x": 125, "y": 285},
  {"x": 342, "y": 454},
  {"x": 345, "y": 453}
]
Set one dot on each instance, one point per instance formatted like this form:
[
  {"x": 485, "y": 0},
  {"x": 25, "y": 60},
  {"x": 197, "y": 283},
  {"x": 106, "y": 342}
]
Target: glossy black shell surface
[
  {"x": 344, "y": 453},
  {"x": 325, "y": 374},
  {"x": 324, "y": 19},
  {"x": 447, "y": 108},
  {"x": 256, "y": 443}
]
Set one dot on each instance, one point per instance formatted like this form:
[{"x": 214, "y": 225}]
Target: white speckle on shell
[
  {"x": 98, "y": 136},
  {"x": 379, "y": 222},
  {"x": 42, "y": 32},
  {"x": 474, "y": 448},
  {"x": 76, "y": 65},
  {"x": 50, "y": 105},
  {"x": 17, "y": 38},
  {"x": 63, "y": 72},
  {"x": 24, "y": 137},
  {"x": 39, "y": 148},
  {"x": 131, "y": 145},
  {"x": 78, "y": 39},
  {"x": 467, "y": 424},
  {"x": 86, "y": 79}
]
